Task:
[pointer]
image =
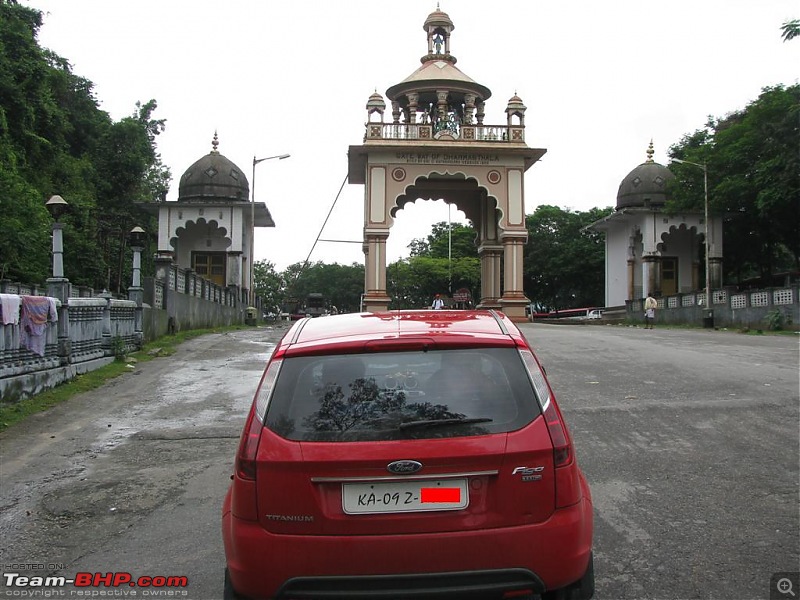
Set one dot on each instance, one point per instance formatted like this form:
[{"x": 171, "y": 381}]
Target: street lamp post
[
  {"x": 137, "y": 238},
  {"x": 703, "y": 166},
  {"x": 56, "y": 206},
  {"x": 253, "y": 220},
  {"x": 58, "y": 286}
]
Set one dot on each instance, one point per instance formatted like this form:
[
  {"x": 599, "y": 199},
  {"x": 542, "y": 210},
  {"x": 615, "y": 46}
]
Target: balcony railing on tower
[{"x": 468, "y": 133}]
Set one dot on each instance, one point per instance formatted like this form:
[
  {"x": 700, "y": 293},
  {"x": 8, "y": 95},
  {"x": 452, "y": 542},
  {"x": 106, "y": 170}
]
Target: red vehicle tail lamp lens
[
  {"x": 245, "y": 459},
  {"x": 265, "y": 389},
  {"x": 248, "y": 446},
  {"x": 562, "y": 454}
]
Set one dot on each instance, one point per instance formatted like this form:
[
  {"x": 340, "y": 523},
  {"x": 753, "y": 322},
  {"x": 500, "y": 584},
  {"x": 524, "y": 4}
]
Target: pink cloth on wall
[
  {"x": 36, "y": 312},
  {"x": 10, "y": 304}
]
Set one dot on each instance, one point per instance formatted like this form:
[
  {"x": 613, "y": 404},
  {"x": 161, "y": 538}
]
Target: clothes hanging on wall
[
  {"x": 36, "y": 312},
  {"x": 9, "y": 304}
]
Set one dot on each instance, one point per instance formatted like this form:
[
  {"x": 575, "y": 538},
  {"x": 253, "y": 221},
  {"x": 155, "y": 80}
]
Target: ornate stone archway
[{"x": 438, "y": 147}]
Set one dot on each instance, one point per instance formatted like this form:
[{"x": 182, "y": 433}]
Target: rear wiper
[{"x": 442, "y": 422}]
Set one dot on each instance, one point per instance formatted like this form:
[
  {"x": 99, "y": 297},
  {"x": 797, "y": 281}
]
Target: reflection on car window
[{"x": 370, "y": 396}]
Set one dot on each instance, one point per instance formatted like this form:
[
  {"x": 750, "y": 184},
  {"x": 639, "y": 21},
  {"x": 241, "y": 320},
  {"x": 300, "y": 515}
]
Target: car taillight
[
  {"x": 568, "y": 489},
  {"x": 248, "y": 445},
  {"x": 246, "y": 457},
  {"x": 555, "y": 427}
]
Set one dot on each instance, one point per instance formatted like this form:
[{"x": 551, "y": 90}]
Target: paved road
[{"x": 690, "y": 441}]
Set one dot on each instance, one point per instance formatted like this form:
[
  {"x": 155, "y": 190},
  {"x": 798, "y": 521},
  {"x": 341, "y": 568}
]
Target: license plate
[{"x": 404, "y": 496}]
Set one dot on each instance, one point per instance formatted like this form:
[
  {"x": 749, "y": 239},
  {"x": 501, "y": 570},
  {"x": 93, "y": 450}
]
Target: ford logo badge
[{"x": 404, "y": 467}]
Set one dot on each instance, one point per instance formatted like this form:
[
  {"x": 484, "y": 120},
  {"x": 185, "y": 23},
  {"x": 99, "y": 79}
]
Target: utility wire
[{"x": 305, "y": 264}]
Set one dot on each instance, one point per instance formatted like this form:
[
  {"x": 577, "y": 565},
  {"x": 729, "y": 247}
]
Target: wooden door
[
  {"x": 210, "y": 265},
  {"x": 669, "y": 276}
]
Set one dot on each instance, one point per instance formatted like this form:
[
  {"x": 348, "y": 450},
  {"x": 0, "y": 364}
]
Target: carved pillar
[
  {"x": 657, "y": 275},
  {"x": 376, "y": 298},
  {"x": 163, "y": 266},
  {"x": 490, "y": 256},
  {"x": 413, "y": 101},
  {"x": 469, "y": 108},
  {"x": 715, "y": 267},
  {"x": 441, "y": 105},
  {"x": 514, "y": 299},
  {"x": 234, "y": 269},
  {"x": 648, "y": 275},
  {"x": 631, "y": 273},
  {"x": 395, "y": 112},
  {"x": 61, "y": 288},
  {"x": 480, "y": 112}
]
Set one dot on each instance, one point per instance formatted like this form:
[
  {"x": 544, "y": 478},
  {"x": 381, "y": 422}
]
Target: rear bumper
[
  {"x": 541, "y": 556},
  {"x": 464, "y": 585}
]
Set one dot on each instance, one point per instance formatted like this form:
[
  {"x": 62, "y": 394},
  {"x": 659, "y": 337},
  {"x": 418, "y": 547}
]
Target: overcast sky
[{"x": 599, "y": 80}]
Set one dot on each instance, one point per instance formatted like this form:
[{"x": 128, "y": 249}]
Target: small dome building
[
  {"x": 645, "y": 186},
  {"x": 649, "y": 251},
  {"x": 210, "y": 228},
  {"x": 213, "y": 177}
]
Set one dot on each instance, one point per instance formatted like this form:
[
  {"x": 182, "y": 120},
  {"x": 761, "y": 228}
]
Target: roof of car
[{"x": 364, "y": 332}]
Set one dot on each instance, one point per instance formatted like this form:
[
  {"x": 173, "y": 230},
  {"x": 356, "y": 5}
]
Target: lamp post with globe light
[
  {"x": 59, "y": 286},
  {"x": 253, "y": 220},
  {"x": 136, "y": 292},
  {"x": 56, "y": 206},
  {"x": 703, "y": 166}
]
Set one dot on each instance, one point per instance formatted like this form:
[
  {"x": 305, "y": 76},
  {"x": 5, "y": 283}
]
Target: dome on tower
[
  {"x": 515, "y": 104},
  {"x": 438, "y": 71},
  {"x": 646, "y": 185},
  {"x": 214, "y": 177},
  {"x": 438, "y": 18},
  {"x": 376, "y": 102}
]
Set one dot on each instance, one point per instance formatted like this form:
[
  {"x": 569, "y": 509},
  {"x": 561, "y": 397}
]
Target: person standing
[
  {"x": 650, "y": 305},
  {"x": 438, "y": 303}
]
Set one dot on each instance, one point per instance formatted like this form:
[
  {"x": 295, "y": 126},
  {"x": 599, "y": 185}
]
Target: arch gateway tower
[{"x": 437, "y": 146}]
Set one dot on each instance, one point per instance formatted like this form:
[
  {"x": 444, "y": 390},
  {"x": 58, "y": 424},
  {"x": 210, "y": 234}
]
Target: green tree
[
  {"x": 269, "y": 285},
  {"x": 752, "y": 161},
  {"x": 412, "y": 283},
  {"x": 458, "y": 242},
  {"x": 341, "y": 285},
  {"x": 54, "y": 139},
  {"x": 564, "y": 264},
  {"x": 26, "y": 110},
  {"x": 24, "y": 239},
  {"x": 790, "y": 29},
  {"x": 445, "y": 261}
]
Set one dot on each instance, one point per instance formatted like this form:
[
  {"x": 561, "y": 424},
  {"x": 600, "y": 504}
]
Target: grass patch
[{"x": 11, "y": 414}]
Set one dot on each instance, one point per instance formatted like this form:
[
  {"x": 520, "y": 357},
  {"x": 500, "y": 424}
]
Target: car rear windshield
[{"x": 401, "y": 395}]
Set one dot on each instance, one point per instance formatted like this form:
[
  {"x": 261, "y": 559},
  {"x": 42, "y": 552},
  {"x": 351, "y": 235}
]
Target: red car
[{"x": 410, "y": 454}]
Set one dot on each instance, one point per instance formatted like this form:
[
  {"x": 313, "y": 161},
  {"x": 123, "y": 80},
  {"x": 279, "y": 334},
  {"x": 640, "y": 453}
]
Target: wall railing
[{"x": 728, "y": 308}]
